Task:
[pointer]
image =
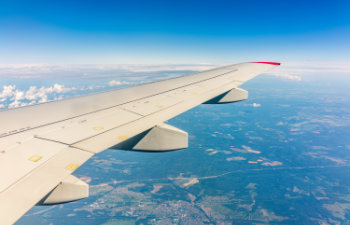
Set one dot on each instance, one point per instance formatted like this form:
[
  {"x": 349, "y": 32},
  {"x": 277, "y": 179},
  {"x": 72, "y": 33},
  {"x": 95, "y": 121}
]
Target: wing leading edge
[{"x": 41, "y": 145}]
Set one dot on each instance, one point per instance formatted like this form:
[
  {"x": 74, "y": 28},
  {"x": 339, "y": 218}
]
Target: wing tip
[{"x": 271, "y": 63}]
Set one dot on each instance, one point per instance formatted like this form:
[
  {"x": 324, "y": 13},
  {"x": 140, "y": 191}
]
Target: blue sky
[{"x": 61, "y": 32}]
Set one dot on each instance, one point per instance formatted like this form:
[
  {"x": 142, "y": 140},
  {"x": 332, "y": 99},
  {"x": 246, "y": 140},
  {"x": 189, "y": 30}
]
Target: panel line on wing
[
  {"x": 139, "y": 126},
  {"x": 72, "y": 136},
  {"x": 99, "y": 110}
]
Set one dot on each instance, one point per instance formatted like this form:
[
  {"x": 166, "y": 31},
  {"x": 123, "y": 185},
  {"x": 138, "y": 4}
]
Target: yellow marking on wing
[
  {"x": 236, "y": 83},
  {"x": 122, "y": 138},
  {"x": 159, "y": 106},
  {"x": 72, "y": 167},
  {"x": 194, "y": 93},
  {"x": 98, "y": 128},
  {"x": 35, "y": 158}
]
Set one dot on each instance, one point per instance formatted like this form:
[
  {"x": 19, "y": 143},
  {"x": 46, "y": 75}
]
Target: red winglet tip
[{"x": 271, "y": 63}]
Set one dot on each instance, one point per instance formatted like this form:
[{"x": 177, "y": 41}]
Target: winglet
[{"x": 271, "y": 63}]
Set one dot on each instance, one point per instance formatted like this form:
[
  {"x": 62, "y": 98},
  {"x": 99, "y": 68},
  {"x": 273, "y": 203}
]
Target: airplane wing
[{"x": 41, "y": 145}]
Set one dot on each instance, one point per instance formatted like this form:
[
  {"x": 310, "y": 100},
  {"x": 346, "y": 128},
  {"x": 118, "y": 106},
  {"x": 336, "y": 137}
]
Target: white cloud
[
  {"x": 116, "y": 83},
  {"x": 58, "y": 88},
  {"x": 31, "y": 93},
  {"x": 255, "y": 105},
  {"x": 94, "y": 70},
  {"x": 290, "y": 70},
  {"x": 287, "y": 76},
  {"x": 14, "y": 104},
  {"x": 7, "y": 91},
  {"x": 18, "y": 95},
  {"x": 296, "y": 71},
  {"x": 31, "y": 96},
  {"x": 273, "y": 163},
  {"x": 42, "y": 93},
  {"x": 2, "y": 106},
  {"x": 236, "y": 158},
  {"x": 43, "y": 98}
]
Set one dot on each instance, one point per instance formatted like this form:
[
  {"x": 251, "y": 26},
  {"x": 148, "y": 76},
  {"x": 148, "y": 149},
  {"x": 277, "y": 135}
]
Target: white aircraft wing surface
[{"x": 41, "y": 145}]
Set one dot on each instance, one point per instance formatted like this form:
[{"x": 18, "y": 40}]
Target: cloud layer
[
  {"x": 295, "y": 71},
  {"x": 12, "y": 97},
  {"x": 95, "y": 77},
  {"x": 116, "y": 83},
  {"x": 16, "y": 97}
]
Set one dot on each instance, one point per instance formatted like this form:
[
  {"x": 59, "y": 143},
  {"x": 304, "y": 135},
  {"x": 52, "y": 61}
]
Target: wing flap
[
  {"x": 115, "y": 136},
  {"x": 25, "y": 157},
  {"x": 29, "y": 190},
  {"x": 108, "y": 119},
  {"x": 116, "y": 117}
]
